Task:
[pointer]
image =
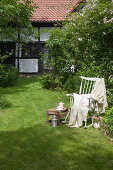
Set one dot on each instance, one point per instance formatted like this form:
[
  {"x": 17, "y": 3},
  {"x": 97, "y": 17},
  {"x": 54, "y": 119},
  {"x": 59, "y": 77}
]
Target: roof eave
[{"x": 36, "y": 21}]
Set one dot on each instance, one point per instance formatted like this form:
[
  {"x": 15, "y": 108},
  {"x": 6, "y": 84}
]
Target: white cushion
[
  {"x": 82, "y": 99},
  {"x": 76, "y": 99}
]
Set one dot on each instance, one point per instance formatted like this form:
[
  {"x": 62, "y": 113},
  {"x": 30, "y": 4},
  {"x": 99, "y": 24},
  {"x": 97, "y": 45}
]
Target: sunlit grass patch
[{"x": 27, "y": 142}]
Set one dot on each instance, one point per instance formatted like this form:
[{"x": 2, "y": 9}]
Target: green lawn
[{"x": 27, "y": 143}]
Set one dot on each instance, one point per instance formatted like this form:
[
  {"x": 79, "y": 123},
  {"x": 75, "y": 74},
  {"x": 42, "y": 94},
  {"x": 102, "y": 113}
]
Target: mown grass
[{"x": 27, "y": 143}]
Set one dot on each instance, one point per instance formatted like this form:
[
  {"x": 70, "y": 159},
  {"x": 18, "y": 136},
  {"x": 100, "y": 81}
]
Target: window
[
  {"x": 44, "y": 52},
  {"x": 44, "y": 49},
  {"x": 26, "y": 51},
  {"x": 44, "y": 34},
  {"x": 34, "y": 50},
  {"x": 30, "y": 50}
]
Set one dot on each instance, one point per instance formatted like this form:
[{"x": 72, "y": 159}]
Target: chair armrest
[
  {"x": 69, "y": 95},
  {"x": 71, "y": 98}
]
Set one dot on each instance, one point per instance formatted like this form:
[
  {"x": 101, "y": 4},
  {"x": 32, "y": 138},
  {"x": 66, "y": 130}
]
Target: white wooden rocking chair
[{"x": 86, "y": 87}]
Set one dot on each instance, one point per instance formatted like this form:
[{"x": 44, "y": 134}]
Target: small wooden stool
[{"x": 58, "y": 113}]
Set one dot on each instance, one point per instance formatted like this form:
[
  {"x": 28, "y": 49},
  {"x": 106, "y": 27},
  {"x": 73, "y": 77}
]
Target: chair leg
[
  {"x": 66, "y": 116},
  {"x": 85, "y": 124},
  {"x": 88, "y": 125}
]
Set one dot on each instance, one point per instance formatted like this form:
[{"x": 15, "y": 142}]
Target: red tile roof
[{"x": 53, "y": 10}]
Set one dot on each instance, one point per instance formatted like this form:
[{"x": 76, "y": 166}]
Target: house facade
[{"x": 27, "y": 57}]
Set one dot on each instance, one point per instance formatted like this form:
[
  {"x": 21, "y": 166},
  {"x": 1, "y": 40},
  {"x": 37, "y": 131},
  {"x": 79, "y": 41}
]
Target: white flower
[{"x": 79, "y": 39}]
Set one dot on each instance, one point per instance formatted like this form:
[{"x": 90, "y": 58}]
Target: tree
[
  {"x": 15, "y": 18},
  {"x": 85, "y": 40},
  {"x": 15, "y": 21}
]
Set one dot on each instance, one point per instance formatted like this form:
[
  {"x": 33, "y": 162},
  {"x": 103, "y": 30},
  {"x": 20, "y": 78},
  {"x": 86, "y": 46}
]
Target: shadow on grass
[
  {"x": 23, "y": 81},
  {"x": 46, "y": 148},
  {"x": 21, "y": 86},
  {"x": 4, "y": 104}
]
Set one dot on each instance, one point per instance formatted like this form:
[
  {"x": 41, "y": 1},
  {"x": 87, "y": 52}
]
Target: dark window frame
[{"x": 30, "y": 45}]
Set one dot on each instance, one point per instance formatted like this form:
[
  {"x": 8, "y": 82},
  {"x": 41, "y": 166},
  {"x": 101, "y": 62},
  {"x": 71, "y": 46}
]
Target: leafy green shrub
[
  {"x": 68, "y": 80},
  {"x": 72, "y": 84},
  {"x": 73, "y": 81},
  {"x": 108, "y": 115},
  {"x": 108, "y": 120},
  {"x": 8, "y": 76},
  {"x": 45, "y": 80},
  {"x": 50, "y": 81},
  {"x": 86, "y": 39},
  {"x": 90, "y": 70},
  {"x": 109, "y": 97}
]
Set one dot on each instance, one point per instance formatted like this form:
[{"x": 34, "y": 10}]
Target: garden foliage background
[{"x": 84, "y": 42}]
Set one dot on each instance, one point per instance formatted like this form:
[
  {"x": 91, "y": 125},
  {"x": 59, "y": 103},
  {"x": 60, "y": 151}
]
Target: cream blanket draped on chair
[{"x": 80, "y": 108}]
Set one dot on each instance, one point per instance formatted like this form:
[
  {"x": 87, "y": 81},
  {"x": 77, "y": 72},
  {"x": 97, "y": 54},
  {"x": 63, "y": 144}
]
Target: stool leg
[
  {"x": 47, "y": 117},
  {"x": 58, "y": 117}
]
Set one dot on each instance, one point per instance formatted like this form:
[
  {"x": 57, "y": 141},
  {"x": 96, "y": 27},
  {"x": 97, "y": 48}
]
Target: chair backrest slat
[
  {"x": 81, "y": 87},
  {"x": 93, "y": 85},
  {"x": 90, "y": 87},
  {"x": 87, "y": 85},
  {"x": 84, "y": 86}
]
